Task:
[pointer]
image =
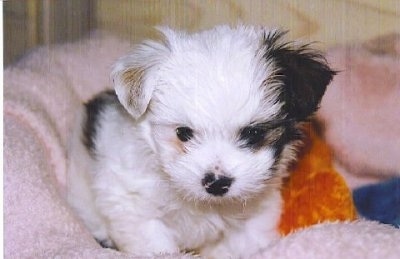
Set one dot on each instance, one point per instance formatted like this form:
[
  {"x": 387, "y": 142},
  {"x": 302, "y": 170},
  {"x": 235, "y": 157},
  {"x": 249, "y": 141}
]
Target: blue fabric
[{"x": 380, "y": 202}]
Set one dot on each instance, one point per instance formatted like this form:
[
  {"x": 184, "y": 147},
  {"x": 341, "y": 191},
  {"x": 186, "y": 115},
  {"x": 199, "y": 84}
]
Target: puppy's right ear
[
  {"x": 131, "y": 89},
  {"x": 131, "y": 76}
]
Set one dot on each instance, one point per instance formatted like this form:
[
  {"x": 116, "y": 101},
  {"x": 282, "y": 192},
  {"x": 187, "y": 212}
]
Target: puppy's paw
[
  {"x": 155, "y": 249},
  {"x": 216, "y": 252},
  {"x": 106, "y": 243},
  {"x": 145, "y": 238}
]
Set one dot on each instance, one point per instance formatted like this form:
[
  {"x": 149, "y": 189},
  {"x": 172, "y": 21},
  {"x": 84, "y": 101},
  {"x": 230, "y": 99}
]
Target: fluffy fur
[{"x": 189, "y": 154}]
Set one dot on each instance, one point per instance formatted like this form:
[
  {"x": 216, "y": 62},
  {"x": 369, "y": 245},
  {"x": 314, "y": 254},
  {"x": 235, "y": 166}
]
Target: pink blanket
[{"x": 42, "y": 93}]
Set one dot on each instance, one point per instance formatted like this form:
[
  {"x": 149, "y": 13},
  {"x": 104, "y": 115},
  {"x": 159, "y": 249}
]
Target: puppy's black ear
[{"x": 303, "y": 72}]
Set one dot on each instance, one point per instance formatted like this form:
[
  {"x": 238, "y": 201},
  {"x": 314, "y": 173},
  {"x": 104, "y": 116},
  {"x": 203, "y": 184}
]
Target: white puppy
[{"x": 189, "y": 154}]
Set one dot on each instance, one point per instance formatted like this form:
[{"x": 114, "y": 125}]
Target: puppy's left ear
[{"x": 304, "y": 74}]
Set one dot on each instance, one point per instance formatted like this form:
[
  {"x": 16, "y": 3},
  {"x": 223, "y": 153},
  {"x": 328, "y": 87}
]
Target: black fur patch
[
  {"x": 304, "y": 74},
  {"x": 289, "y": 135},
  {"x": 268, "y": 134},
  {"x": 93, "y": 108}
]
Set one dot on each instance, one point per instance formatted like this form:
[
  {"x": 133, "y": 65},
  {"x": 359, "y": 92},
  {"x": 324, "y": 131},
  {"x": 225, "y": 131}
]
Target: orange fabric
[{"x": 314, "y": 192}]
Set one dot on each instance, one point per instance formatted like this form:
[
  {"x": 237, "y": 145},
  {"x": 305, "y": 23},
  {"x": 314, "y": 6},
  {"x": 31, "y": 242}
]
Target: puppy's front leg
[
  {"x": 248, "y": 237},
  {"x": 142, "y": 237},
  {"x": 243, "y": 243}
]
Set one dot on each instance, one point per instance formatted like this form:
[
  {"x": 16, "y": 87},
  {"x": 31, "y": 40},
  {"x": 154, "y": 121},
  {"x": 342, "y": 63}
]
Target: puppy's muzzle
[{"x": 216, "y": 185}]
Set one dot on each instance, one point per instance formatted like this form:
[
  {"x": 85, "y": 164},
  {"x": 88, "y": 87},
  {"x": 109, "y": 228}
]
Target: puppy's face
[{"x": 223, "y": 106}]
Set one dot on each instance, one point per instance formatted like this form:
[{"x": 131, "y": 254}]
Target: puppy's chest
[{"x": 194, "y": 228}]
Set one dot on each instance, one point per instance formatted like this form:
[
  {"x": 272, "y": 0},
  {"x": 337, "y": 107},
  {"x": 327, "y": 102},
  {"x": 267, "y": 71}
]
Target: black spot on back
[{"x": 93, "y": 109}]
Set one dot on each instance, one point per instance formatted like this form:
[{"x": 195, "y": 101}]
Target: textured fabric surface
[
  {"x": 360, "y": 110},
  {"x": 361, "y": 239}
]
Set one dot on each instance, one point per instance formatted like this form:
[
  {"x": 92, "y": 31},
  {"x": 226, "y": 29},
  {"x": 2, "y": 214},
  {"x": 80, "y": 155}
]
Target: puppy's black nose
[{"x": 216, "y": 185}]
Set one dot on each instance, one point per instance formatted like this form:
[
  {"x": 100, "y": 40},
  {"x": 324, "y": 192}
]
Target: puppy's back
[{"x": 82, "y": 159}]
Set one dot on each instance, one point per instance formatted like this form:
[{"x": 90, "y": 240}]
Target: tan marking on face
[
  {"x": 178, "y": 145},
  {"x": 272, "y": 136}
]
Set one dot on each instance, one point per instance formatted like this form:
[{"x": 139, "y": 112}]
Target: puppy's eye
[
  {"x": 184, "y": 133},
  {"x": 252, "y": 136}
]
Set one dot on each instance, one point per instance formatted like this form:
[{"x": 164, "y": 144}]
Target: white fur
[{"x": 143, "y": 188}]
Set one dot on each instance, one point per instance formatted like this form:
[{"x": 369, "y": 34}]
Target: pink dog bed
[{"x": 42, "y": 93}]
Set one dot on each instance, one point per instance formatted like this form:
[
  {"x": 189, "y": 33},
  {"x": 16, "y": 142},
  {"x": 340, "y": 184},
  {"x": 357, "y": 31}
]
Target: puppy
[{"x": 189, "y": 152}]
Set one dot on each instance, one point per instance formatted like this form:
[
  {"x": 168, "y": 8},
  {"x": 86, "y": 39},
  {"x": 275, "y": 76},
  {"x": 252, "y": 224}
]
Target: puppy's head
[{"x": 224, "y": 106}]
